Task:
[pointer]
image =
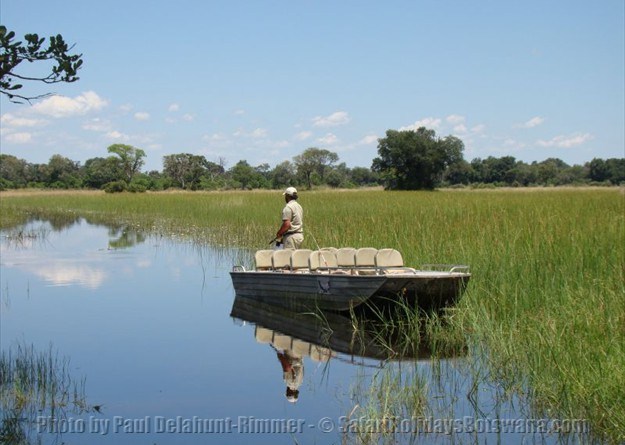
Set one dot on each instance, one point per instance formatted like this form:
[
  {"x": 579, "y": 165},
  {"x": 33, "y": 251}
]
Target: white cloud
[
  {"x": 328, "y": 139},
  {"x": 533, "y": 122},
  {"x": 126, "y": 108},
  {"x": 19, "y": 138},
  {"x": 428, "y": 122},
  {"x": 188, "y": 117},
  {"x": 63, "y": 106},
  {"x": 478, "y": 128},
  {"x": 173, "y": 107},
  {"x": 303, "y": 135},
  {"x": 9, "y": 120},
  {"x": 97, "y": 124},
  {"x": 460, "y": 128},
  {"x": 116, "y": 135},
  {"x": 455, "y": 119},
  {"x": 335, "y": 119},
  {"x": 369, "y": 139},
  {"x": 259, "y": 133},
  {"x": 565, "y": 141},
  {"x": 215, "y": 137},
  {"x": 142, "y": 116}
]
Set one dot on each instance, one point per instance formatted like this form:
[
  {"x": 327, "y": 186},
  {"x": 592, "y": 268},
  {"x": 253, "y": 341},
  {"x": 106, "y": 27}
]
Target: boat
[{"x": 345, "y": 278}]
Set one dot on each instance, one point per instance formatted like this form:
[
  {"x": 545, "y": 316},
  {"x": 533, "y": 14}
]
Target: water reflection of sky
[{"x": 147, "y": 323}]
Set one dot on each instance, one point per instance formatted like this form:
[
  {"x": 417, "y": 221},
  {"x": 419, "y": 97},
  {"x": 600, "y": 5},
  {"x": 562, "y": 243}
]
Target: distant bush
[
  {"x": 115, "y": 187},
  {"x": 139, "y": 185}
]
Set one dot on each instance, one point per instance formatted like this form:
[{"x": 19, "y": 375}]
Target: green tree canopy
[
  {"x": 314, "y": 160},
  {"x": 130, "y": 159},
  {"x": 185, "y": 169},
  {"x": 13, "y": 53},
  {"x": 414, "y": 160}
]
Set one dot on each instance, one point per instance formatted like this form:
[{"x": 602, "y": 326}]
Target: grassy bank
[{"x": 547, "y": 299}]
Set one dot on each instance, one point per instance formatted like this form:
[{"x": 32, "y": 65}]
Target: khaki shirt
[{"x": 294, "y": 213}]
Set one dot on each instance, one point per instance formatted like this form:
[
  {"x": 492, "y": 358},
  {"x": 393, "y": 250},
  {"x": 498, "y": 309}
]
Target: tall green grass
[
  {"x": 546, "y": 300},
  {"x": 35, "y": 383}
]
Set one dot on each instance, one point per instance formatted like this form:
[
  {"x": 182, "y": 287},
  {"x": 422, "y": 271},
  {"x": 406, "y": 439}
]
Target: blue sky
[{"x": 264, "y": 80}]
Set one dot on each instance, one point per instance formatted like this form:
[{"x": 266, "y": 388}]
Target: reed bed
[
  {"x": 35, "y": 383},
  {"x": 546, "y": 302}
]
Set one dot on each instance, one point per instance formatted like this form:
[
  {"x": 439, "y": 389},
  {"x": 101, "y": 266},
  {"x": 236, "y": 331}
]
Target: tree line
[{"x": 407, "y": 160}]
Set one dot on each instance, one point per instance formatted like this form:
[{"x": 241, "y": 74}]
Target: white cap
[{"x": 291, "y": 191}]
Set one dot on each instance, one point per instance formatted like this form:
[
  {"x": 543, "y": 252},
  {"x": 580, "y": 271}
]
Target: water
[{"x": 168, "y": 356}]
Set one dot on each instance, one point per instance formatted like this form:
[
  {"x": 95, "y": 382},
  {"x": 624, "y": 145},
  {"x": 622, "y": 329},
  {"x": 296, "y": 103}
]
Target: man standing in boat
[{"x": 292, "y": 228}]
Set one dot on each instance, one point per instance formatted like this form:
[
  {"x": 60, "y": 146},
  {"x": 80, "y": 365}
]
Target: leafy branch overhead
[{"x": 33, "y": 49}]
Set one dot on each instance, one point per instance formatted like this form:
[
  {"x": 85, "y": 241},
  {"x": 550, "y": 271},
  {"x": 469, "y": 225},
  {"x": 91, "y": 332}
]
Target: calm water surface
[{"x": 152, "y": 327}]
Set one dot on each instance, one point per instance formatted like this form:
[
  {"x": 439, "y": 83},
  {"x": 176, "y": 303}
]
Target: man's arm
[{"x": 286, "y": 225}]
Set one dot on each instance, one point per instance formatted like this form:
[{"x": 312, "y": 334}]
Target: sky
[{"x": 264, "y": 80}]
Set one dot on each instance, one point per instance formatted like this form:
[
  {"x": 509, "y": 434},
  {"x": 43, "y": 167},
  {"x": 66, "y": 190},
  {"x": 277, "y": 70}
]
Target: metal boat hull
[
  {"x": 345, "y": 291},
  {"x": 325, "y": 291},
  {"x": 427, "y": 291}
]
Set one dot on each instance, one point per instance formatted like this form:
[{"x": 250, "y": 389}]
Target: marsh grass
[
  {"x": 35, "y": 383},
  {"x": 544, "y": 310}
]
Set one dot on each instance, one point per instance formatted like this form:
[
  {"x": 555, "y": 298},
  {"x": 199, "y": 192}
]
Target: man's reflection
[{"x": 293, "y": 372}]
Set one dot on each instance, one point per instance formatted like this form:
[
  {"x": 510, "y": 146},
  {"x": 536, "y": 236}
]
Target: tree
[
  {"x": 13, "y": 171},
  {"x": 459, "y": 173},
  {"x": 100, "y": 171},
  {"x": 62, "y": 172},
  {"x": 414, "y": 160},
  {"x": 314, "y": 160},
  {"x": 363, "y": 176},
  {"x": 283, "y": 175},
  {"x": 13, "y": 53},
  {"x": 130, "y": 158},
  {"x": 185, "y": 169},
  {"x": 245, "y": 176}
]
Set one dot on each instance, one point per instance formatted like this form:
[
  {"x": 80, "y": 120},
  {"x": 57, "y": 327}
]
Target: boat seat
[
  {"x": 281, "y": 341},
  {"x": 390, "y": 261},
  {"x": 262, "y": 259},
  {"x": 346, "y": 258},
  {"x": 322, "y": 260},
  {"x": 320, "y": 354},
  {"x": 365, "y": 261},
  {"x": 299, "y": 260},
  {"x": 263, "y": 335},
  {"x": 281, "y": 259}
]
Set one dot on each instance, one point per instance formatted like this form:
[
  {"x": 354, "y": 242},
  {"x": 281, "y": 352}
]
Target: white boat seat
[
  {"x": 262, "y": 258},
  {"x": 365, "y": 261},
  {"x": 299, "y": 260},
  {"x": 263, "y": 335},
  {"x": 320, "y": 354},
  {"x": 282, "y": 341},
  {"x": 390, "y": 261},
  {"x": 346, "y": 257},
  {"x": 281, "y": 259},
  {"x": 322, "y": 260}
]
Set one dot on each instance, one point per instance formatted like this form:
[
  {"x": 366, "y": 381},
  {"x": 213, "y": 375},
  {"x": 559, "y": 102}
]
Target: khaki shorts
[{"x": 293, "y": 241}]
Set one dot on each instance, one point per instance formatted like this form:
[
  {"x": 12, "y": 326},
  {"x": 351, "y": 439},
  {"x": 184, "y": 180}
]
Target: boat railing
[{"x": 450, "y": 268}]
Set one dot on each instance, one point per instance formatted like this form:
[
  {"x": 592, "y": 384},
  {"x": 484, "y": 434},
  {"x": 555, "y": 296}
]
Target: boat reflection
[{"x": 323, "y": 334}]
